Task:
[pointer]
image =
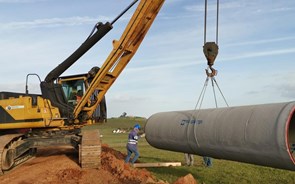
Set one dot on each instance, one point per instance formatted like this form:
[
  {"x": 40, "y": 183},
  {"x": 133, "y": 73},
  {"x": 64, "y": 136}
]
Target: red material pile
[
  {"x": 58, "y": 165},
  {"x": 188, "y": 179}
]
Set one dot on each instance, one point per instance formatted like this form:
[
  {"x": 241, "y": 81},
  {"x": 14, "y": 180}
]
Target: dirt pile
[
  {"x": 188, "y": 179},
  {"x": 113, "y": 162},
  {"x": 58, "y": 165}
]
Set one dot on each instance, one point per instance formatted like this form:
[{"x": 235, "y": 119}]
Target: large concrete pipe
[{"x": 258, "y": 134}]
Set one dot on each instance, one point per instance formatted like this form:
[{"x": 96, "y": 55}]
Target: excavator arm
[{"x": 123, "y": 50}]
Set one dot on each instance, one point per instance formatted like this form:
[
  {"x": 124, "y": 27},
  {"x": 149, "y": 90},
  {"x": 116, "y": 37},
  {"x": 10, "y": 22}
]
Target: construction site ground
[{"x": 59, "y": 165}]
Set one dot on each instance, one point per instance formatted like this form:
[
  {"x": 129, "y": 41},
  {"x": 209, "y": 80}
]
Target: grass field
[{"x": 222, "y": 171}]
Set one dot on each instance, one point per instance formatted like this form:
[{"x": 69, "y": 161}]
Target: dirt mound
[
  {"x": 59, "y": 165},
  {"x": 113, "y": 161},
  {"x": 188, "y": 179}
]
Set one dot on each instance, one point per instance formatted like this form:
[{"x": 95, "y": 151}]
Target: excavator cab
[{"x": 74, "y": 87}]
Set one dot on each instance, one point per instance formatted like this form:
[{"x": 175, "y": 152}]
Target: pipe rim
[{"x": 287, "y": 130}]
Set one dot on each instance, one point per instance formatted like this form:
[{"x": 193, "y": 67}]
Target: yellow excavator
[{"x": 56, "y": 117}]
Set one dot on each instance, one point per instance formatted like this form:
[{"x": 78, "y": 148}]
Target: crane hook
[{"x": 212, "y": 73}]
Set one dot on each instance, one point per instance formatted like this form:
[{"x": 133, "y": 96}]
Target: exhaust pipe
[{"x": 257, "y": 134}]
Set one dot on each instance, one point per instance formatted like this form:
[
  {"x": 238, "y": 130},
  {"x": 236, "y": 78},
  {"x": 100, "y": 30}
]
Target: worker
[
  {"x": 189, "y": 159},
  {"x": 132, "y": 144},
  {"x": 73, "y": 94},
  {"x": 79, "y": 95},
  {"x": 207, "y": 161}
]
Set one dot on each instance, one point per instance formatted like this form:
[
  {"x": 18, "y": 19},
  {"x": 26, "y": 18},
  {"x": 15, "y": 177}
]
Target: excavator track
[
  {"x": 1, "y": 172},
  {"x": 90, "y": 149},
  {"x": 8, "y": 158}
]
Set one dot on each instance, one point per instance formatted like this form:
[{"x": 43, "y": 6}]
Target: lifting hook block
[{"x": 210, "y": 50}]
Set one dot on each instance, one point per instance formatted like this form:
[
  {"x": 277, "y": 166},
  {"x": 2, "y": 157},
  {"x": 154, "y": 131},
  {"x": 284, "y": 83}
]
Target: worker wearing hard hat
[{"x": 132, "y": 144}]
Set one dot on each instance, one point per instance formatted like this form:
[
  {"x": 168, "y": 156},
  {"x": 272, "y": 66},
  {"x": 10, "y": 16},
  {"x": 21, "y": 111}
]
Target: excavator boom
[{"x": 123, "y": 50}]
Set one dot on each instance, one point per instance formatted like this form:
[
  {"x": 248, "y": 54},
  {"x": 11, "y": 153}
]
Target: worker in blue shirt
[
  {"x": 132, "y": 144},
  {"x": 207, "y": 161}
]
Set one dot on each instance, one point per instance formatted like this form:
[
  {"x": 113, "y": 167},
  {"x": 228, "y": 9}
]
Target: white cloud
[
  {"x": 287, "y": 91},
  {"x": 21, "y": 1},
  {"x": 212, "y": 6},
  {"x": 262, "y": 41},
  {"x": 125, "y": 98},
  {"x": 52, "y": 22},
  {"x": 260, "y": 54},
  {"x": 200, "y": 60}
]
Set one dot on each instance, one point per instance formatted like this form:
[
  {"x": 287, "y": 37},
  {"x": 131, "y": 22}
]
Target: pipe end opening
[{"x": 291, "y": 135}]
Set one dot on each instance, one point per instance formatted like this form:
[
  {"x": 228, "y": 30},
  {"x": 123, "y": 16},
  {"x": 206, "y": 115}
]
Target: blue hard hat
[{"x": 137, "y": 126}]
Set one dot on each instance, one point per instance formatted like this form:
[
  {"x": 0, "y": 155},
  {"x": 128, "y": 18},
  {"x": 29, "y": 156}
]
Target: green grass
[{"x": 222, "y": 171}]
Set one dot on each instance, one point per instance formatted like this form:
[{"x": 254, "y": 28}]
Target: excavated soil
[{"x": 58, "y": 165}]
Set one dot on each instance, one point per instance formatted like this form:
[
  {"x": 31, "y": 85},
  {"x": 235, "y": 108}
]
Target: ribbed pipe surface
[{"x": 258, "y": 134}]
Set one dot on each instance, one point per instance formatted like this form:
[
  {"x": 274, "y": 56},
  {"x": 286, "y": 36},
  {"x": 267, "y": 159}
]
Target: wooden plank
[{"x": 158, "y": 164}]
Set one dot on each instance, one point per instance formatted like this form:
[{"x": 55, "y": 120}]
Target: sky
[{"x": 255, "y": 62}]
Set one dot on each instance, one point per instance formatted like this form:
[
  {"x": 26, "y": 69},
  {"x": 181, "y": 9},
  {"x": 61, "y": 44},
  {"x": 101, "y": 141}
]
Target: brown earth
[
  {"x": 188, "y": 179},
  {"x": 58, "y": 165}
]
